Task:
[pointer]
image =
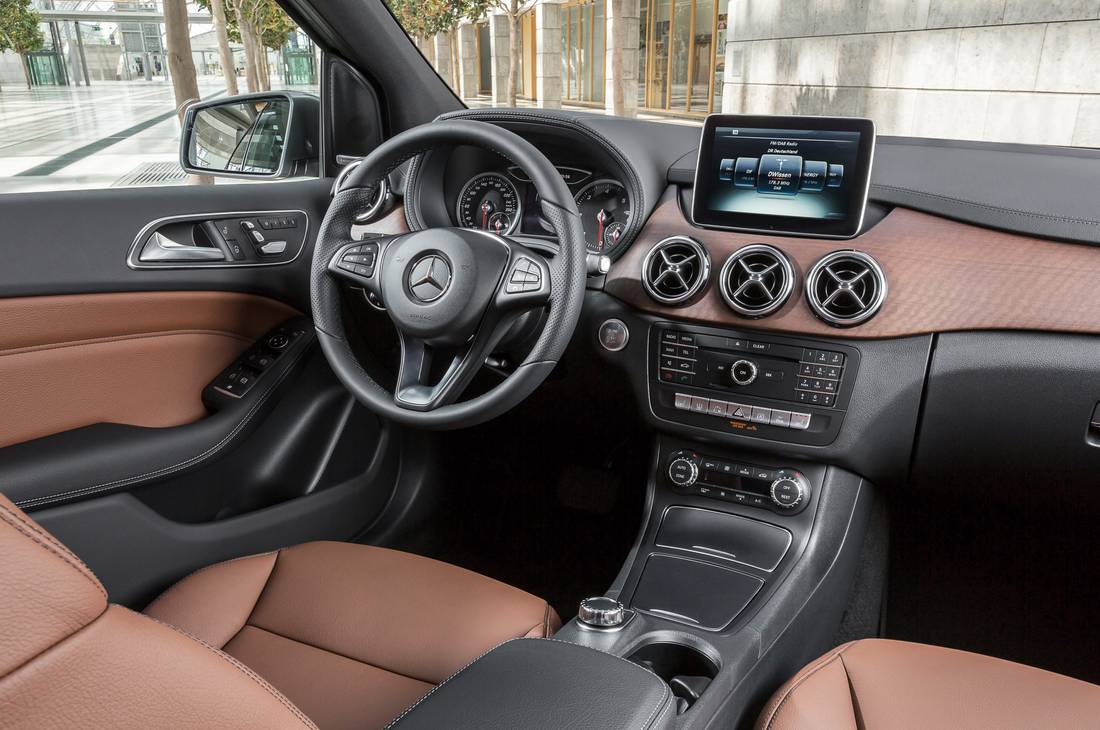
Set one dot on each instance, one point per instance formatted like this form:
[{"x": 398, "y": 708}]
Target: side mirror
[{"x": 270, "y": 135}]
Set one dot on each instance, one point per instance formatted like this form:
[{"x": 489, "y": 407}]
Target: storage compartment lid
[
  {"x": 693, "y": 592},
  {"x": 718, "y": 534}
]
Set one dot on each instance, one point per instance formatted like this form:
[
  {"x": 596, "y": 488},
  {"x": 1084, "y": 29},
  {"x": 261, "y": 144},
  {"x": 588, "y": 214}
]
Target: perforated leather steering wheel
[{"x": 452, "y": 293}]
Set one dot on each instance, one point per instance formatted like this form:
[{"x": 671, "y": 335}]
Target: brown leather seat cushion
[
  {"x": 69, "y": 659},
  {"x": 351, "y": 634},
  {"x": 890, "y": 685}
]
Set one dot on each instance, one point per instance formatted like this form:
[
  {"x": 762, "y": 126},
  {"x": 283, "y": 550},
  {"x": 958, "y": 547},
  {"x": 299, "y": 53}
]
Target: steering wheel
[{"x": 452, "y": 293}]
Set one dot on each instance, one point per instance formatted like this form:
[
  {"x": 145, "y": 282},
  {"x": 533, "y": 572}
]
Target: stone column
[
  {"x": 548, "y": 63},
  {"x": 621, "y": 64},
  {"x": 442, "y": 49},
  {"x": 467, "y": 61},
  {"x": 500, "y": 51}
]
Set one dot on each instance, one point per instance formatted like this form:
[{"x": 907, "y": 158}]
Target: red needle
[
  {"x": 601, "y": 217},
  {"x": 486, "y": 209}
]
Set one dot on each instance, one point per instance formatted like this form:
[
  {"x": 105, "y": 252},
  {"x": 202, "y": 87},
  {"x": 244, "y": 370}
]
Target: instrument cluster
[{"x": 505, "y": 201}]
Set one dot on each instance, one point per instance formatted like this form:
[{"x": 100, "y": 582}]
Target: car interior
[{"x": 501, "y": 417}]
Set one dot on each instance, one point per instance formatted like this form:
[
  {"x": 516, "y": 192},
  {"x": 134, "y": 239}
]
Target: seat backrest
[{"x": 68, "y": 658}]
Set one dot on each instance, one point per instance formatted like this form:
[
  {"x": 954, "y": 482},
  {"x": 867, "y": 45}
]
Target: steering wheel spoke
[{"x": 526, "y": 281}]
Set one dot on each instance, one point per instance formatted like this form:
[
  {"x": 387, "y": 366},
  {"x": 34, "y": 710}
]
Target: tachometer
[
  {"x": 489, "y": 201},
  {"x": 605, "y": 212}
]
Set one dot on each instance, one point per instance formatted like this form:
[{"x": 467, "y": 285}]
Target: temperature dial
[
  {"x": 683, "y": 472},
  {"x": 789, "y": 490}
]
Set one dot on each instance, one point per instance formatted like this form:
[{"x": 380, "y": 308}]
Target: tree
[
  {"x": 257, "y": 25},
  {"x": 513, "y": 9},
  {"x": 423, "y": 19},
  {"x": 20, "y": 31},
  {"x": 181, "y": 63},
  {"x": 225, "y": 54}
]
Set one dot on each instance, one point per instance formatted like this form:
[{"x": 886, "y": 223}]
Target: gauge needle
[
  {"x": 601, "y": 218},
  {"x": 486, "y": 209}
]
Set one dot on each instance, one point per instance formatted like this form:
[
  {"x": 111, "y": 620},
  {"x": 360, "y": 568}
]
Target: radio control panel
[{"x": 762, "y": 386}]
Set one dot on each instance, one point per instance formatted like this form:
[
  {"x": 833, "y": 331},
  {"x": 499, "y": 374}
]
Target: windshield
[{"x": 1001, "y": 71}]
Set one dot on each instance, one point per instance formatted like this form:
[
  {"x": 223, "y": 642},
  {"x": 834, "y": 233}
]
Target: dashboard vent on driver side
[
  {"x": 756, "y": 280},
  {"x": 846, "y": 288},
  {"x": 675, "y": 270}
]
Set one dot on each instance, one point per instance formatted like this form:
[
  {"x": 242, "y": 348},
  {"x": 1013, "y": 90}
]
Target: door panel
[
  {"x": 112, "y": 433},
  {"x": 139, "y": 359}
]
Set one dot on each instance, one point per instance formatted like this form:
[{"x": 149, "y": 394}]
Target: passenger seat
[{"x": 876, "y": 684}]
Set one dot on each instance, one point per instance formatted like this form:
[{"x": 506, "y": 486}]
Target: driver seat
[{"x": 324, "y": 634}]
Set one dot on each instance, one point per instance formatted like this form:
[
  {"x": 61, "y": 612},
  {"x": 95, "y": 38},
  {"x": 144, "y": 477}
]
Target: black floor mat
[{"x": 1019, "y": 582}]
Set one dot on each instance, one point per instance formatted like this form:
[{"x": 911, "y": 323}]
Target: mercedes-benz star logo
[{"x": 429, "y": 278}]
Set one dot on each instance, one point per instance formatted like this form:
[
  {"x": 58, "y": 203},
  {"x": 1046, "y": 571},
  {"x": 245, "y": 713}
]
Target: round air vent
[
  {"x": 756, "y": 280},
  {"x": 675, "y": 270},
  {"x": 846, "y": 288}
]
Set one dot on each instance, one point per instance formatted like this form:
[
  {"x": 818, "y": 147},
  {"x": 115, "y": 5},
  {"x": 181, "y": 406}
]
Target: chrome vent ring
[
  {"x": 756, "y": 280},
  {"x": 675, "y": 270},
  {"x": 846, "y": 288}
]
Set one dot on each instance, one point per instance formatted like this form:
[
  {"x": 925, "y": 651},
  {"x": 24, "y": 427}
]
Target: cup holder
[{"x": 687, "y": 671}]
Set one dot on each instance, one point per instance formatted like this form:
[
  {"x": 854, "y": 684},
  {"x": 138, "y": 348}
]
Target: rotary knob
[
  {"x": 601, "y": 612},
  {"x": 789, "y": 489},
  {"x": 743, "y": 372},
  {"x": 683, "y": 471}
]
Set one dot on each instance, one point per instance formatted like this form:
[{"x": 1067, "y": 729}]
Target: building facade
[{"x": 1000, "y": 70}]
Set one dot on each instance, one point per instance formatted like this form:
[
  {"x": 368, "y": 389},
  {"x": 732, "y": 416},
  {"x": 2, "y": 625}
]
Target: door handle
[{"x": 160, "y": 247}]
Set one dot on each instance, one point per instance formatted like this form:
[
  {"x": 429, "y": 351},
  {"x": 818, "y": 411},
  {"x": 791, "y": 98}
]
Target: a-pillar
[
  {"x": 548, "y": 60},
  {"x": 621, "y": 63}
]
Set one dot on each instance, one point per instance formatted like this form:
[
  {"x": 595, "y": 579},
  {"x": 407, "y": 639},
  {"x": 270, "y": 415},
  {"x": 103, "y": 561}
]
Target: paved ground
[{"x": 71, "y": 137}]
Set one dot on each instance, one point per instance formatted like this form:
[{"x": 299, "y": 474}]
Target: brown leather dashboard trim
[
  {"x": 943, "y": 276},
  {"x": 139, "y": 359}
]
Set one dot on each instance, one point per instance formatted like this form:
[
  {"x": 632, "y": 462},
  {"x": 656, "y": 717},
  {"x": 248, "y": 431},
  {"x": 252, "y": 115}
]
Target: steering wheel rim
[{"x": 469, "y": 255}]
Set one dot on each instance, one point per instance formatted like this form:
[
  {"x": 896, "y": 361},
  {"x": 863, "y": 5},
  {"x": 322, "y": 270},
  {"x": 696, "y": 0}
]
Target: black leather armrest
[{"x": 543, "y": 683}]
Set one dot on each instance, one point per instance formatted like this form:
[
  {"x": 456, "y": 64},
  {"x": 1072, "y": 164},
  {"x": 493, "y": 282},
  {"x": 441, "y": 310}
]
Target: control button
[
  {"x": 773, "y": 376},
  {"x": 670, "y": 336},
  {"x": 800, "y": 421},
  {"x": 759, "y": 346},
  {"x": 744, "y": 471},
  {"x": 667, "y": 349},
  {"x": 700, "y": 405},
  {"x": 685, "y": 338},
  {"x": 259, "y": 360},
  {"x": 683, "y": 472},
  {"x": 682, "y": 402},
  {"x": 827, "y": 399},
  {"x": 835, "y": 176},
  {"x": 788, "y": 490},
  {"x": 743, "y": 372},
  {"x": 235, "y": 249},
  {"x": 761, "y": 415},
  {"x": 257, "y": 237},
  {"x": 614, "y": 335},
  {"x": 266, "y": 224},
  {"x": 601, "y": 612},
  {"x": 278, "y": 341},
  {"x": 248, "y": 225},
  {"x": 740, "y": 412},
  {"x": 685, "y": 351},
  {"x": 683, "y": 378},
  {"x": 781, "y": 418},
  {"x": 718, "y": 408},
  {"x": 763, "y": 474},
  {"x": 273, "y": 248}
]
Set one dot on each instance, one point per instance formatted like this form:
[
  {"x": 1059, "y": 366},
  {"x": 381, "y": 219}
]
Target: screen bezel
[{"x": 705, "y": 181}]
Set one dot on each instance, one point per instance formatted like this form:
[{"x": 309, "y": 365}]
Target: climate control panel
[{"x": 784, "y": 491}]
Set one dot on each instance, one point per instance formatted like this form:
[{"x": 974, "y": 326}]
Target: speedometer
[
  {"x": 489, "y": 201},
  {"x": 605, "y": 213}
]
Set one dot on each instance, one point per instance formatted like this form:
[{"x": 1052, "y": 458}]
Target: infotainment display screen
[{"x": 779, "y": 174}]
